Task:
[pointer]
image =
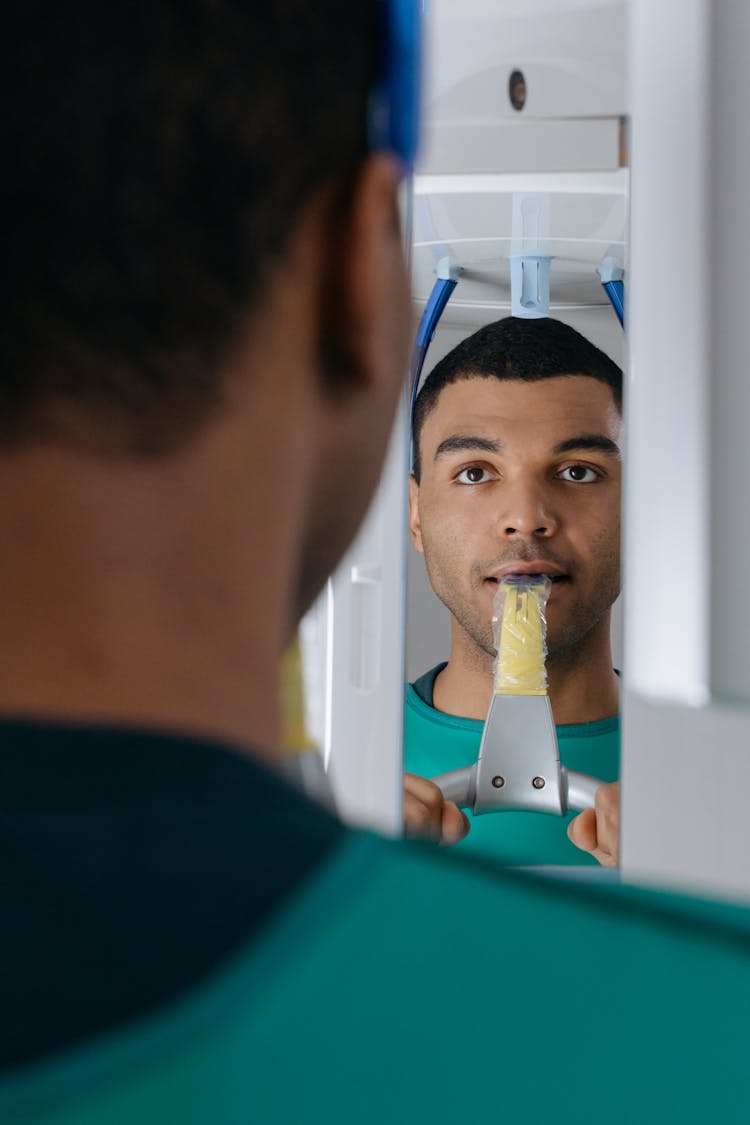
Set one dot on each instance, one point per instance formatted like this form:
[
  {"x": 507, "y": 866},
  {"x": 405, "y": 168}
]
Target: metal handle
[
  {"x": 577, "y": 790},
  {"x": 458, "y": 786}
]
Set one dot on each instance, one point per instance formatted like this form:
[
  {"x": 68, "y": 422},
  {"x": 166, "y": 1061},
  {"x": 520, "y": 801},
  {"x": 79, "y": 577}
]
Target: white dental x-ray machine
[{"x": 545, "y": 125}]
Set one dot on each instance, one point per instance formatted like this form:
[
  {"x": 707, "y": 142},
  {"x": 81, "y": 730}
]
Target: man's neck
[
  {"x": 154, "y": 592},
  {"x": 583, "y": 686}
]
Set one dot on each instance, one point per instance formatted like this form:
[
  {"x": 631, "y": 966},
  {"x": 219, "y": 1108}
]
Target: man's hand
[
  {"x": 427, "y": 813},
  {"x": 597, "y": 830}
]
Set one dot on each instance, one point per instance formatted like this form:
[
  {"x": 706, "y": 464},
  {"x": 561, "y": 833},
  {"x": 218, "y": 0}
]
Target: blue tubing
[
  {"x": 615, "y": 290},
  {"x": 439, "y": 297}
]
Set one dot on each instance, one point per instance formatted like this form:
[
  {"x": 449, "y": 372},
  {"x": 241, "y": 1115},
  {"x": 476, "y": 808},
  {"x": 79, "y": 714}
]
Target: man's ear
[
  {"x": 365, "y": 322},
  {"x": 415, "y": 527}
]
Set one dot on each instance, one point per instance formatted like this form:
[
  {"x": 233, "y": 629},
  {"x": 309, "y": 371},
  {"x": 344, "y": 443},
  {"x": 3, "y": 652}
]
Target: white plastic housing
[
  {"x": 353, "y": 658},
  {"x": 572, "y": 57},
  {"x": 686, "y": 754}
]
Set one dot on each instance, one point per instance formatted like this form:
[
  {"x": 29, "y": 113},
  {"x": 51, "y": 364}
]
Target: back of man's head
[
  {"x": 515, "y": 348},
  {"x": 157, "y": 156}
]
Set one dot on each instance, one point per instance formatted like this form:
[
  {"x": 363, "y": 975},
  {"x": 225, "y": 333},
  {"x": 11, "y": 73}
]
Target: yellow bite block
[{"x": 520, "y": 668}]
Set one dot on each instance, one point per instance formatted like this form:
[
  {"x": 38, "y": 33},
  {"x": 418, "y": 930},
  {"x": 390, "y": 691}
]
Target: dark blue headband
[{"x": 393, "y": 123}]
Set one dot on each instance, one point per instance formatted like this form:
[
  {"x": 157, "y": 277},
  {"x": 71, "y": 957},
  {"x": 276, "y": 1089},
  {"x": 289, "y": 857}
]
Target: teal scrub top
[
  {"x": 402, "y": 987},
  {"x": 186, "y": 939}
]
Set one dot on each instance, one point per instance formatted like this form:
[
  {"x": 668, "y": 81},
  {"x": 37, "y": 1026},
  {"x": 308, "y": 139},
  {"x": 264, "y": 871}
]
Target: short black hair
[
  {"x": 515, "y": 348},
  {"x": 157, "y": 154}
]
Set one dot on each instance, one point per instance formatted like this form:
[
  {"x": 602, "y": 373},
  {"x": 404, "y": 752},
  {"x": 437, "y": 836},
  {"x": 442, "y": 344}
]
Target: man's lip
[{"x": 540, "y": 567}]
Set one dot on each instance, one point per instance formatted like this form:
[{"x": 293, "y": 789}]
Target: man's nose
[{"x": 526, "y": 512}]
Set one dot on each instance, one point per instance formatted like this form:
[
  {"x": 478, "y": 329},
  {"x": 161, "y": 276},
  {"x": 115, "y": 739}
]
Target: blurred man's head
[
  {"x": 173, "y": 169},
  {"x": 517, "y": 469}
]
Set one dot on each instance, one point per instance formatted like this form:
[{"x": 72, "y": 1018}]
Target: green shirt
[
  {"x": 435, "y": 743},
  {"x": 403, "y": 987},
  {"x": 186, "y": 939}
]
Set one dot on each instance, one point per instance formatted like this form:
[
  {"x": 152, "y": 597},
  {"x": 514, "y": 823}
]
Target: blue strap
[{"x": 393, "y": 114}]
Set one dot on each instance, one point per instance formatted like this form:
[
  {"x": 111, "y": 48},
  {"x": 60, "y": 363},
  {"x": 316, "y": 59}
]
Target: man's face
[{"x": 523, "y": 477}]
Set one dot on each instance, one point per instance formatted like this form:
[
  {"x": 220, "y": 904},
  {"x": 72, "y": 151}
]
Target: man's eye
[
  {"x": 579, "y": 474},
  {"x": 475, "y": 474}
]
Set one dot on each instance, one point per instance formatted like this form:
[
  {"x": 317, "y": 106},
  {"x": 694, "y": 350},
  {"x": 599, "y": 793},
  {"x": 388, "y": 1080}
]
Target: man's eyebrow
[
  {"x": 458, "y": 443},
  {"x": 600, "y": 443}
]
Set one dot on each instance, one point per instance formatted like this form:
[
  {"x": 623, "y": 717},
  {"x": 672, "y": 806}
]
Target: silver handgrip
[
  {"x": 579, "y": 789},
  {"x": 458, "y": 786},
  {"x": 519, "y": 765}
]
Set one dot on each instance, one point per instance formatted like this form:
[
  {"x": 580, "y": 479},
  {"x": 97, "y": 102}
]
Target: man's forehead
[{"x": 485, "y": 404}]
